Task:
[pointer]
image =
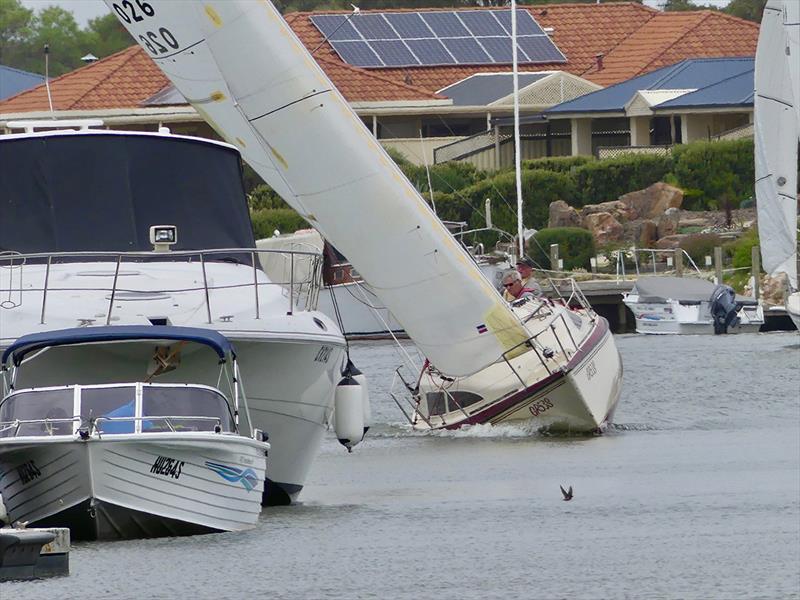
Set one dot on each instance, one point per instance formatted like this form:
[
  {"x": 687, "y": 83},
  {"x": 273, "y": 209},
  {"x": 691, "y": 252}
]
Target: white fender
[
  {"x": 356, "y": 374},
  {"x": 348, "y": 413}
]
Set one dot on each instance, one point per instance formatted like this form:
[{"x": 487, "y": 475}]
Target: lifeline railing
[
  {"x": 301, "y": 292},
  {"x": 548, "y": 357},
  {"x": 92, "y": 423}
]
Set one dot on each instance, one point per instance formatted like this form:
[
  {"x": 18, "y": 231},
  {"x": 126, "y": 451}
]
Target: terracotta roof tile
[
  {"x": 581, "y": 31},
  {"x": 121, "y": 80},
  {"x": 671, "y": 37},
  {"x": 634, "y": 40}
]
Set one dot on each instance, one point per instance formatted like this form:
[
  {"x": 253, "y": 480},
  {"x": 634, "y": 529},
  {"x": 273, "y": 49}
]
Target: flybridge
[{"x": 413, "y": 39}]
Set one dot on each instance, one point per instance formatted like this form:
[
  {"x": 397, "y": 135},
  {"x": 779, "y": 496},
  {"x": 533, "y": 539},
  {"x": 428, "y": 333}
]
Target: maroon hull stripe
[{"x": 525, "y": 396}]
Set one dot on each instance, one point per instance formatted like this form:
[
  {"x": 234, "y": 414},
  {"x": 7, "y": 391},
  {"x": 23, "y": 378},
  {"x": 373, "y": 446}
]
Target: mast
[{"x": 517, "y": 157}]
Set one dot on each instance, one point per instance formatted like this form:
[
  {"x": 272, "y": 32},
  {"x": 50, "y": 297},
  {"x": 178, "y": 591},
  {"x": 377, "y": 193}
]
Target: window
[
  {"x": 179, "y": 401},
  {"x": 42, "y": 405},
  {"x": 111, "y": 402}
]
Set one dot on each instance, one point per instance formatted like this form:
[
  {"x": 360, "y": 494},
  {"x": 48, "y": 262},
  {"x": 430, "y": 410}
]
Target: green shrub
[
  {"x": 264, "y": 197},
  {"x": 560, "y": 164},
  {"x": 576, "y": 247},
  {"x": 700, "y": 245},
  {"x": 539, "y": 189},
  {"x": 715, "y": 172},
  {"x": 267, "y": 220},
  {"x": 604, "y": 180},
  {"x": 741, "y": 250},
  {"x": 446, "y": 177}
]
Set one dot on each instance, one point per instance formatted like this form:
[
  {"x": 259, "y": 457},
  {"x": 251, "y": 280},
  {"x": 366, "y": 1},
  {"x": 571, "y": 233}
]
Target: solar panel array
[{"x": 413, "y": 39}]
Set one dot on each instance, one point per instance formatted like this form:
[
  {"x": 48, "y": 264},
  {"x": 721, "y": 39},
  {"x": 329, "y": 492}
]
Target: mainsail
[
  {"x": 241, "y": 66},
  {"x": 777, "y": 119}
]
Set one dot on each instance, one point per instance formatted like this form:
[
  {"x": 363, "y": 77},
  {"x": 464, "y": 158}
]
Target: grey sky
[{"x": 84, "y": 10}]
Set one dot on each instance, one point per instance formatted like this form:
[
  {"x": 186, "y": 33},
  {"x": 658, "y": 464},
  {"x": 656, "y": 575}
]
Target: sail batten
[
  {"x": 777, "y": 130},
  {"x": 263, "y": 92}
]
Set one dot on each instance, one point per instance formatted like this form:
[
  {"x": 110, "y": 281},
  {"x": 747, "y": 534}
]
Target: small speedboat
[
  {"x": 130, "y": 459},
  {"x": 667, "y": 305}
]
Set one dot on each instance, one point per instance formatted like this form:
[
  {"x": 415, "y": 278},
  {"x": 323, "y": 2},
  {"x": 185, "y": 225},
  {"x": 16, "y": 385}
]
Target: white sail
[
  {"x": 241, "y": 66},
  {"x": 776, "y": 137}
]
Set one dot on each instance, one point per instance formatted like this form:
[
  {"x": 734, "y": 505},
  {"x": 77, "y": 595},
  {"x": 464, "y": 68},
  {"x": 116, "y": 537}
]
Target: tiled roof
[
  {"x": 14, "y": 81},
  {"x": 634, "y": 40},
  {"x": 120, "y": 80},
  {"x": 696, "y": 74},
  {"x": 581, "y": 31},
  {"x": 670, "y": 37}
]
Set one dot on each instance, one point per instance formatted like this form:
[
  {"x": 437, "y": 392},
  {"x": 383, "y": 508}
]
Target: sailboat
[
  {"x": 243, "y": 69},
  {"x": 777, "y": 131}
]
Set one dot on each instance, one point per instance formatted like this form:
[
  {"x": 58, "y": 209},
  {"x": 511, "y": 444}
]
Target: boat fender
[
  {"x": 356, "y": 374},
  {"x": 348, "y": 413}
]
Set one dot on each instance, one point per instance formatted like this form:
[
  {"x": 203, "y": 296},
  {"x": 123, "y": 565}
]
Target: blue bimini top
[{"x": 117, "y": 333}]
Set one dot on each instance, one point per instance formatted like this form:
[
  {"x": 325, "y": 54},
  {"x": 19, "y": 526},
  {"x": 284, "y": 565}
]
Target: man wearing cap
[{"x": 525, "y": 270}]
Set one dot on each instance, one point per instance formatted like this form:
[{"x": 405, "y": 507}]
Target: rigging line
[
  {"x": 356, "y": 10},
  {"x": 339, "y": 321}
]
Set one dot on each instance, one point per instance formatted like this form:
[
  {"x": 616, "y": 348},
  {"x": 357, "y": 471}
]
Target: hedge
[
  {"x": 560, "y": 164},
  {"x": 603, "y": 180},
  {"x": 713, "y": 173},
  {"x": 576, "y": 247},
  {"x": 266, "y": 221}
]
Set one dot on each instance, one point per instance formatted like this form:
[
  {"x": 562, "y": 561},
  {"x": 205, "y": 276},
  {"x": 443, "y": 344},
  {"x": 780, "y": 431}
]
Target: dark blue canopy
[{"x": 116, "y": 333}]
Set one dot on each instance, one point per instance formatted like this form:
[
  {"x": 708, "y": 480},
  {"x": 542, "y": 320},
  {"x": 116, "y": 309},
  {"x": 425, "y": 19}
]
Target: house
[
  {"x": 413, "y": 75},
  {"x": 13, "y": 81},
  {"x": 692, "y": 100}
]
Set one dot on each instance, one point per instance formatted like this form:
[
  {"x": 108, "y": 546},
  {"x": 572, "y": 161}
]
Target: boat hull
[
  {"x": 124, "y": 486},
  {"x": 580, "y": 397},
  {"x": 289, "y": 385},
  {"x": 669, "y": 318}
]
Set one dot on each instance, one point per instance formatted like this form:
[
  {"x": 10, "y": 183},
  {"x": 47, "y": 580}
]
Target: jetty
[{"x": 33, "y": 553}]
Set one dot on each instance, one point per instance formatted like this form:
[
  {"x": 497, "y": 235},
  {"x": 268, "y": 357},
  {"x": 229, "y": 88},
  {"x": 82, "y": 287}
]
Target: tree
[
  {"x": 746, "y": 9},
  {"x": 56, "y": 28},
  {"x": 105, "y": 35},
  {"x": 15, "y": 24}
]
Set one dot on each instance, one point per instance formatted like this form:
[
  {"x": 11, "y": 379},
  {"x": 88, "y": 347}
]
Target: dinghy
[
  {"x": 242, "y": 67},
  {"x": 127, "y": 458}
]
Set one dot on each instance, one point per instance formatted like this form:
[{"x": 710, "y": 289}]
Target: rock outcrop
[
  {"x": 604, "y": 227},
  {"x": 563, "y": 215},
  {"x": 653, "y": 201}
]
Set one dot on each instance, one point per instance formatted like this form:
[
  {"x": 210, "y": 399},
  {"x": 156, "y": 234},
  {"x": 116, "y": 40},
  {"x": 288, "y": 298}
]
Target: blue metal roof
[
  {"x": 733, "y": 91},
  {"x": 480, "y": 90},
  {"x": 116, "y": 333},
  {"x": 696, "y": 73},
  {"x": 13, "y": 81}
]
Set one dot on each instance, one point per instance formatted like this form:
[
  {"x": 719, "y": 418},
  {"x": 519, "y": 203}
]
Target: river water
[{"x": 694, "y": 493}]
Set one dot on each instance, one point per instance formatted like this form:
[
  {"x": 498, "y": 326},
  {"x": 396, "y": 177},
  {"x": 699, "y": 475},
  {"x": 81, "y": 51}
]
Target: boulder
[
  {"x": 563, "y": 215},
  {"x": 619, "y": 210},
  {"x": 671, "y": 241},
  {"x": 651, "y": 202},
  {"x": 668, "y": 222},
  {"x": 604, "y": 227},
  {"x": 645, "y": 233}
]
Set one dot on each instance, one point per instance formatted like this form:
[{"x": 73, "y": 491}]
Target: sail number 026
[{"x": 135, "y": 11}]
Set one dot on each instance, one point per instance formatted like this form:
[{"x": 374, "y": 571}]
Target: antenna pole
[
  {"x": 517, "y": 157},
  {"x": 47, "y": 78}
]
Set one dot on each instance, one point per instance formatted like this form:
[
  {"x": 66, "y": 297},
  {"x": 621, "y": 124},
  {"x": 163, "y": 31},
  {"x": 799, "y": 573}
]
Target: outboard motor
[{"x": 724, "y": 308}]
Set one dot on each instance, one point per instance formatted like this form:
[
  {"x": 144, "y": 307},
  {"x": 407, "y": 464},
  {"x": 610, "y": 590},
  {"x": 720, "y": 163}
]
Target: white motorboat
[
  {"x": 298, "y": 132},
  {"x": 132, "y": 228},
  {"x": 777, "y": 133},
  {"x": 115, "y": 457},
  {"x": 688, "y": 305},
  {"x": 361, "y": 314}
]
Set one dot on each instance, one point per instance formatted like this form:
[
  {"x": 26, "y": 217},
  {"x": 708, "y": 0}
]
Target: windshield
[
  {"x": 110, "y": 402},
  {"x": 103, "y": 191},
  {"x": 179, "y": 401},
  {"x": 52, "y": 408}
]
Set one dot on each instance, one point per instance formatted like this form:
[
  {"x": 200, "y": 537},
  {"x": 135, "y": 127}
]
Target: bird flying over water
[{"x": 566, "y": 493}]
